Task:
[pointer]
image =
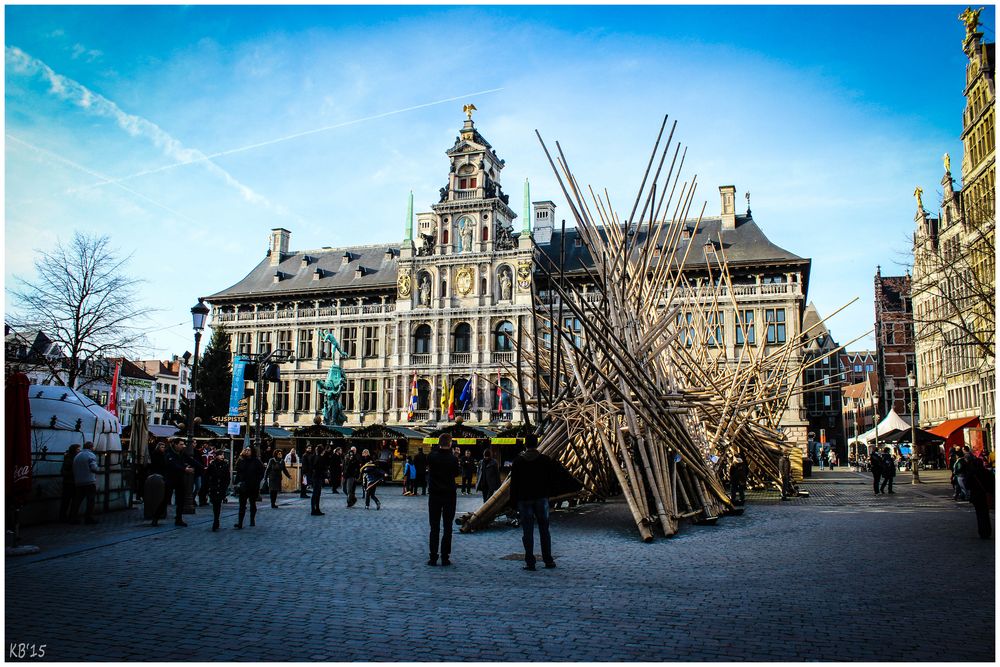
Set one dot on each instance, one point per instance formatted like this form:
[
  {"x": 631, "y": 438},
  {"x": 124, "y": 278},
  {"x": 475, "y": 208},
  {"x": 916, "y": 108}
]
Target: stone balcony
[{"x": 304, "y": 315}]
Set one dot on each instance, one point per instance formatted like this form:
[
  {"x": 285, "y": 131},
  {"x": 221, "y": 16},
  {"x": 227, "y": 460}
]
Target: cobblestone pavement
[{"x": 840, "y": 576}]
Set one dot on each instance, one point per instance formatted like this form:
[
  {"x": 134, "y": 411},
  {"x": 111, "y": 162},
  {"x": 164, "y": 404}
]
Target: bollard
[{"x": 152, "y": 495}]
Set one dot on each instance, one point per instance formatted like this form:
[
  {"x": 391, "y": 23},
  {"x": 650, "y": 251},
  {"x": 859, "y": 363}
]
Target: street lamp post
[
  {"x": 914, "y": 459},
  {"x": 199, "y": 313}
]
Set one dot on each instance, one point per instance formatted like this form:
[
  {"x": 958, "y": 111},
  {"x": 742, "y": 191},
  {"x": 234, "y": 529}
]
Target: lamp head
[{"x": 199, "y": 313}]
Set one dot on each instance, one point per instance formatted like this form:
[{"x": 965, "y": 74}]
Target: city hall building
[{"x": 447, "y": 304}]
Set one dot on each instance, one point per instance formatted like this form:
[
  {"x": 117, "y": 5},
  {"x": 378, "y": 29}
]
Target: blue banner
[{"x": 236, "y": 392}]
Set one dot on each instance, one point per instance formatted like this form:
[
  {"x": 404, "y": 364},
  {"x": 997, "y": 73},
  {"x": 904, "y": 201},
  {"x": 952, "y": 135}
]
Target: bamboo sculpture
[{"x": 642, "y": 398}]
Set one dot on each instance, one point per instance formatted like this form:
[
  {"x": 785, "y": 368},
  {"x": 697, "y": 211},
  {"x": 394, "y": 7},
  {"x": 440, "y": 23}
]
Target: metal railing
[
  {"x": 461, "y": 358},
  {"x": 307, "y": 313}
]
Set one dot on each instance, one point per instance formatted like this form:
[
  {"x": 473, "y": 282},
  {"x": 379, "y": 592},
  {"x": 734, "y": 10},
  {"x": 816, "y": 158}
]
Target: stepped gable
[{"x": 297, "y": 271}]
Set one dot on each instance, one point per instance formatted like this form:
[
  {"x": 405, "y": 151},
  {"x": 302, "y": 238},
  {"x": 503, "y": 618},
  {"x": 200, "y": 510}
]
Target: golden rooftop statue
[
  {"x": 918, "y": 193},
  {"x": 947, "y": 163},
  {"x": 970, "y": 18},
  {"x": 468, "y": 109}
]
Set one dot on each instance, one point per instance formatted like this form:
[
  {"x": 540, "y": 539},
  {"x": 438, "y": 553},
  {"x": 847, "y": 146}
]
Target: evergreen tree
[{"x": 215, "y": 378}]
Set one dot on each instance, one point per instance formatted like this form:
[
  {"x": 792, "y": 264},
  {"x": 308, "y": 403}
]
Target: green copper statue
[{"x": 333, "y": 412}]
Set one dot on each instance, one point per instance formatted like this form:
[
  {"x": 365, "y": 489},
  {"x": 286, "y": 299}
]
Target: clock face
[{"x": 463, "y": 280}]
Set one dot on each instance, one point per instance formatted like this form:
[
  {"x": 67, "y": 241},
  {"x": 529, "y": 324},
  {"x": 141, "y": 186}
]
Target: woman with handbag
[
  {"x": 249, "y": 472},
  {"x": 275, "y": 467}
]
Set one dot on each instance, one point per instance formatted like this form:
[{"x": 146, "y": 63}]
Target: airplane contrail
[
  {"x": 74, "y": 165},
  {"x": 270, "y": 142}
]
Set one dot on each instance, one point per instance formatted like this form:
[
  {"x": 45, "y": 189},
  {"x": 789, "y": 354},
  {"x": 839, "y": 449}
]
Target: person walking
[
  {"x": 176, "y": 464},
  {"x": 85, "y": 471},
  {"x": 68, "y": 483},
  {"x": 352, "y": 468},
  {"x": 275, "y": 469},
  {"x": 304, "y": 477},
  {"x": 534, "y": 477},
  {"x": 442, "y": 469},
  {"x": 875, "y": 464},
  {"x": 980, "y": 483},
  {"x": 420, "y": 464},
  {"x": 468, "y": 470},
  {"x": 409, "y": 477},
  {"x": 249, "y": 472},
  {"x": 371, "y": 476},
  {"x": 785, "y": 475},
  {"x": 888, "y": 470},
  {"x": 318, "y": 463},
  {"x": 738, "y": 474},
  {"x": 217, "y": 484},
  {"x": 488, "y": 475},
  {"x": 336, "y": 469},
  {"x": 833, "y": 458}
]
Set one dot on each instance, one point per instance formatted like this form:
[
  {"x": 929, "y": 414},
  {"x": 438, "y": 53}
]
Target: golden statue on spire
[
  {"x": 970, "y": 18},
  {"x": 468, "y": 109},
  {"x": 918, "y": 193},
  {"x": 947, "y": 163}
]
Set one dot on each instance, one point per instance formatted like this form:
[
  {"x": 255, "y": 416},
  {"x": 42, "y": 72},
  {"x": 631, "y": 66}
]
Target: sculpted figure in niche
[
  {"x": 505, "y": 285},
  {"x": 467, "y": 235},
  {"x": 425, "y": 291}
]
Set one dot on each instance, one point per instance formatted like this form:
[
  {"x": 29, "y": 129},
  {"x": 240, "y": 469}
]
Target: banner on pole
[{"x": 236, "y": 392}]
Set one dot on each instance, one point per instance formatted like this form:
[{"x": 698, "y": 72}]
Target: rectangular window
[
  {"x": 745, "y": 320},
  {"x": 285, "y": 339},
  {"x": 325, "y": 349},
  {"x": 349, "y": 341},
  {"x": 685, "y": 328},
  {"x": 347, "y": 396},
  {"x": 462, "y": 184},
  {"x": 716, "y": 322},
  {"x": 472, "y": 182},
  {"x": 281, "y": 396},
  {"x": 243, "y": 343},
  {"x": 303, "y": 395},
  {"x": 371, "y": 342},
  {"x": 573, "y": 327},
  {"x": 775, "y": 318},
  {"x": 369, "y": 395},
  {"x": 857, "y": 368},
  {"x": 263, "y": 342},
  {"x": 305, "y": 344}
]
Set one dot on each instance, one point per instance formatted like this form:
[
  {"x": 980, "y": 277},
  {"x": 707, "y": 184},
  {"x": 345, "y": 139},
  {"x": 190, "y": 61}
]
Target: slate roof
[
  {"x": 378, "y": 272},
  {"x": 746, "y": 245}
]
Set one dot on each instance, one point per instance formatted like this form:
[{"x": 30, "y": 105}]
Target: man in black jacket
[
  {"x": 420, "y": 463},
  {"x": 531, "y": 478},
  {"x": 442, "y": 468},
  {"x": 317, "y": 464},
  {"x": 352, "y": 468},
  {"x": 176, "y": 464}
]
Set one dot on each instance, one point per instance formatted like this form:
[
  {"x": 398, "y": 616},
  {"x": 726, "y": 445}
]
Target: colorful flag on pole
[
  {"x": 413, "y": 398},
  {"x": 113, "y": 397},
  {"x": 444, "y": 395},
  {"x": 499, "y": 393},
  {"x": 466, "y": 396},
  {"x": 451, "y": 403}
]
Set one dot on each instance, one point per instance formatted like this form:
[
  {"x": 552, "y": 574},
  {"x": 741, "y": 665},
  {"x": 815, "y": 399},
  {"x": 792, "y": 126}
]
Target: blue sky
[{"x": 829, "y": 116}]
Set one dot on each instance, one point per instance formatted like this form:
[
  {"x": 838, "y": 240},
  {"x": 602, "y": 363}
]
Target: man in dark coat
[
  {"x": 304, "y": 472},
  {"x": 888, "y": 470},
  {"x": 980, "y": 483},
  {"x": 352, "y": 468},
  {"x": 317, "y": 473},
  {"x": 336, "y": 469},
  {"x": 488, "y": 475},
  {"x": 176, "y": 464},
  {"x": 875, "y": 464},
  {"x": 442, "y": 468},
  {"x": 217, "y": 484},
  {"x": 533, "y": 478},
  {"x": 738, "y": 474},
  {"x": 420, "y": 463}
]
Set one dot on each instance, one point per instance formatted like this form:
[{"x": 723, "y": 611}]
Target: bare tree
[{"x": 85, "y": 303}]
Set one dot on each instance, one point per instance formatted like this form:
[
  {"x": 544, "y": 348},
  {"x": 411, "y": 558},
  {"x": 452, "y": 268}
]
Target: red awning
[{"x": 945, "y": 429}]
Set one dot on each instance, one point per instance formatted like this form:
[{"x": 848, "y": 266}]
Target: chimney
[
  {"x": 544, "y": 219},
  {"x": 727, "y": 193},
  {"x": 279, "y": 245},
  {"x": 345, "y": 260}
]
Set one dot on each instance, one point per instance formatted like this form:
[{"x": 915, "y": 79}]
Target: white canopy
[
  {"x": 61, "y": 417},
  {"x": 892, "y": 422}
]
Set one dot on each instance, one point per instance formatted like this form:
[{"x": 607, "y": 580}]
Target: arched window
[
  {"x": 503, "y": 337},
  {"x": 462, "y": 338},
  {"x": 444, "y": 236},
  {"x": 486, "y": 233},
  {"x": 462, "y": 404},
  {"x": 423, "y": 395},
  {"x": 422, "y": 339},
  {"x": 444, "y": 288}
]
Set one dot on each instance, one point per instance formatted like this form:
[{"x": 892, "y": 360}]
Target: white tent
[
  {"x": 61, "y": 417},
  {"x": 892, "y": 422}
]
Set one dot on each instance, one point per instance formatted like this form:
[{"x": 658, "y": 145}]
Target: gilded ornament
[
  {"x": 463, "y": 280},
  {"x": 405, "y": 285},
  {"x": 524, "y": 275}
]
